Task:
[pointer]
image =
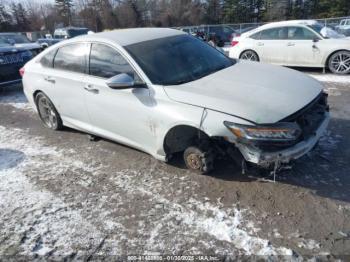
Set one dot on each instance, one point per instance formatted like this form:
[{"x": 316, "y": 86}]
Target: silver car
[{"x": 163, "y": 91}]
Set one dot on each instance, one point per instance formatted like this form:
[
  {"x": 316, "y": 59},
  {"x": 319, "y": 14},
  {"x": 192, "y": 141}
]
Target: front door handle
[
  {"x": 50, "y": 79},
  {"x": 260, "y": 44},
  {"x": 291, "y": 44},
  {"x": 91, "y": 89}
]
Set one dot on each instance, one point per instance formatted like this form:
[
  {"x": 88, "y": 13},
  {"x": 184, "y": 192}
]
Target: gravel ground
[{"x": 62, "y": 196}]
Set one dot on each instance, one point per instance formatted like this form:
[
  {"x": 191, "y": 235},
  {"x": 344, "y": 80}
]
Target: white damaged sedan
[{"x": 163, "y": 91}]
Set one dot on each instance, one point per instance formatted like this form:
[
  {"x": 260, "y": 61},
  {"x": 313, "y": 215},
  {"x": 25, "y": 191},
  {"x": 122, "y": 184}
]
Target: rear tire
[
  {"x": 199, "y": 159},
  {"x": 249, "y": 55},
  {"x": 339, "y": 63},
  {"x": 47, "y": 112}
]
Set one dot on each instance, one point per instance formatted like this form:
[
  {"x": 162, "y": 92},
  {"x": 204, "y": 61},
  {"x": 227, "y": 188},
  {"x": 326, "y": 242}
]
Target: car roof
[
  {"x": 131, "y": 36},
  {"x": 71, "y": 28},
  {"x": 289, "y": 23},
  {"x": 282, "y": 23},
  {"x": 10, "y": 33}
]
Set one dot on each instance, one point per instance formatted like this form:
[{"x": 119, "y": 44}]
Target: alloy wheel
[
  {"x": 47, "y": 113},
  {"x": 250, "y": 56},
  {"x": 340, "y": 63}
]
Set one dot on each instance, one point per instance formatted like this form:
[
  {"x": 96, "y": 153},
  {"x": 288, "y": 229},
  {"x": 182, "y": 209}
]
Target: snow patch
[
  {"x": 15, "y": 99},
  {"x": 166, "y": 222},
  {"x": 42, "y": 222},
  {"x": 332, "y": 78},
  {"x": 309, "y": 244},
  {"x": 199, "y": 219}
]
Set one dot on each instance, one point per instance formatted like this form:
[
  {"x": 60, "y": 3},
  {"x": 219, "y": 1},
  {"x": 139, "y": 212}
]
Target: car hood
[
  {"x": 28, "y": 46},
  {"x": 253, "y": 91},
  {"x": 8, "y": 49}
]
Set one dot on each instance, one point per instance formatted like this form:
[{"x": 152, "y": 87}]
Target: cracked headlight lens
[{"x": 279, "y": 132}]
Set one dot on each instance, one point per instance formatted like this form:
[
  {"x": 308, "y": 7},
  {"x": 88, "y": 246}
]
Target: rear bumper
[{"x": 265, "y": 159}]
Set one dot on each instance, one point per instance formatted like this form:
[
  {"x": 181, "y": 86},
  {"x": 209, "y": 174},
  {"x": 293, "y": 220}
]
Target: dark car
[
  {"x": 46, "y": 42},
  {"x": 62, "y": 34},
  {"x": 20, "y": 41},
  {"x": 11, "y": 60},
  {"x": 69, "y": 32},
  {"x": 223, "y": 33}
]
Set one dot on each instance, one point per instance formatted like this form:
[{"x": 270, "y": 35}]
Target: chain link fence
[{"x": 338, "y": 24}]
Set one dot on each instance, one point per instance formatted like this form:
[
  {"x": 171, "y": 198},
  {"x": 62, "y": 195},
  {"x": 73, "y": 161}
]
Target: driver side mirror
[
  {"x": 123, "y": 81},
  {"x": 315, "y": 40}
]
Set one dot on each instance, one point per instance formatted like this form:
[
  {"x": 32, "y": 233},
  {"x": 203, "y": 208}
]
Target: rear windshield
[
  {"x": 177, "y": 59},
  {"x": 76, "y": 32},
  {"x": 17, "y": 38}
]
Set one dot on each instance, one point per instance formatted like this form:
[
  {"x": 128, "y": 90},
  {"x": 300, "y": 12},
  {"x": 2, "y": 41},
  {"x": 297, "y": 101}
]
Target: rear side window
[
  {"x": 106, "y": 62},
  {"x": 274, "y": 34},
  {"x": 300, "y": 33},
  {"x": 72, "y": 58},
  {"x": 256, "y": 36},
  {"x": 47, "y": 60}
]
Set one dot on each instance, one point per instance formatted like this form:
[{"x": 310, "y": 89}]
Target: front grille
[
  {"x": 310, "y": 117},
  {"x": 10, "y": 59}
]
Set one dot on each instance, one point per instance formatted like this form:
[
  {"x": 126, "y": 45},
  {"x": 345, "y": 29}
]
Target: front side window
[
  {"x": 300, "y": 33},
  {"x": 72, "y": 57},
  {"x": 47, "y": 60},
  {"x": 274, "y": 34},
  {"x": 107, "y": 62},
  {"x": 177, "y": 59}
]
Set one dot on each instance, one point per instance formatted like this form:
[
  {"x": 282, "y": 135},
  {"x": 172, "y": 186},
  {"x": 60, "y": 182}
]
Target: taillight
[
  {"x": 21, "y": 71},
  {"x": 234, "y": 43}
]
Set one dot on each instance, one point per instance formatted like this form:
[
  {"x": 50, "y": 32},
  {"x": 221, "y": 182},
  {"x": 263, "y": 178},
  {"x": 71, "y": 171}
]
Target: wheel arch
[
  {"x": 35, "y": 93},
  {"x": 180, "y": 136},
  {"x": 332, "y": 53}
]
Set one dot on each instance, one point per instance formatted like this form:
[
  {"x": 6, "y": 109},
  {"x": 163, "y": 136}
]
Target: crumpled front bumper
[{"x": 265, "y": 159}]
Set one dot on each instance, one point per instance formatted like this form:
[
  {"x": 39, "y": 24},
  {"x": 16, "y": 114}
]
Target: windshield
[
  {"x": 177, "y": 59},
  {"x": 76, "y": 32},
  {"x": 17, "y": 38},
  {"x": 326, "y": 32},
  {"x": 3, "y": 42}
]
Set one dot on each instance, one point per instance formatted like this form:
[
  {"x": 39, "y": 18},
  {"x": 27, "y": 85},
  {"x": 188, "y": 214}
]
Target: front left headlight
[{"x": 279, "y": 132}]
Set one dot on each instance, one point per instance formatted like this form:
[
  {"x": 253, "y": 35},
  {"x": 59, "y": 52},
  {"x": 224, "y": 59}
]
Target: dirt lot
[{"x": 64, "y": 196}]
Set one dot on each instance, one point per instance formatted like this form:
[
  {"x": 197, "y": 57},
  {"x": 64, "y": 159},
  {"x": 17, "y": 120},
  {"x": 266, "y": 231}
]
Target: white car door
[
  {"x": 271, "y": 45},
  {"x": 67, "y": 84},
  {"x": 118, "y": 114},
  {"x": 305, "y": 48}
]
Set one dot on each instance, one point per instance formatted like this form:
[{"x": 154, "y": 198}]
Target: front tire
[
  {"x": 249, "y": 55},
  {"x": 47, "y": 112},
  {"x": 339, "y": 63},
  {"x": 199, "y": 159}
]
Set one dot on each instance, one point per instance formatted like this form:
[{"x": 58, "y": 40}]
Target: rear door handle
[
  {"x": 260, "y": 44},
  {"x": 291, "y": 44},
  {"x": 50, "y": 79},
  {"x": 91, "y": 89}
]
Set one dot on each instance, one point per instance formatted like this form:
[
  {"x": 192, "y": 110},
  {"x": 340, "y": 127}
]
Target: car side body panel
[
  {"x": 303, "y": 53},
  {"x": 142, "y": 117}
]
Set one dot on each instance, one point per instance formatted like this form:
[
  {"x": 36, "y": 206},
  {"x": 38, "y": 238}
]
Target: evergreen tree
[{"x": 213, "y": 9}]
